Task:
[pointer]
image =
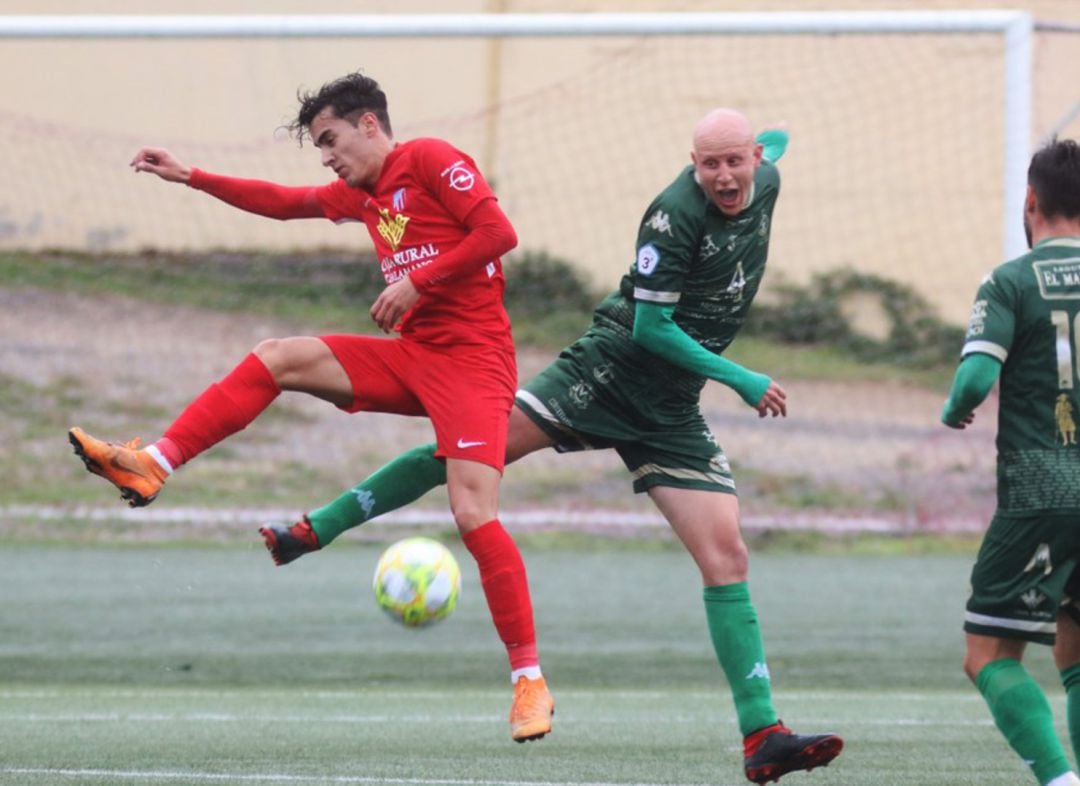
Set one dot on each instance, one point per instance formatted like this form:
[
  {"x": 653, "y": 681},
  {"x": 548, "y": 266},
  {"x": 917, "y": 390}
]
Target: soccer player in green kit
[
  {"x": 632, "y": 382},
  {"x": 1025, "y": 585}
]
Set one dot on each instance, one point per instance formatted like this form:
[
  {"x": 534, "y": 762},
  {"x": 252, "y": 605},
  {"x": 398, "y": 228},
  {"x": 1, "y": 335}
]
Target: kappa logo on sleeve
[
  {"x": 647, "y": 259},
  {"x": 661, "y": 222}
]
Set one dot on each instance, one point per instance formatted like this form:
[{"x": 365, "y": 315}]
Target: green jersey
[
  {"x": 690, "y": 255},
  {"x": 1027, "y": 315}
]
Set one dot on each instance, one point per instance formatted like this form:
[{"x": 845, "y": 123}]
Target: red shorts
[{"x": 467, "y": 394}]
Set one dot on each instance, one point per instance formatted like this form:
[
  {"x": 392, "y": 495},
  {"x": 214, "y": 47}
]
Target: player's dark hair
[
  {"x": 1054, "y": 176},
  {"x": 349, "y": 96}
]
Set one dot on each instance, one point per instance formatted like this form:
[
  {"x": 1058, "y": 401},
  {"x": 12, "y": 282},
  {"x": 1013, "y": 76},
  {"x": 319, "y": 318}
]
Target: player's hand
[
  {"x": 162, "y": 163},
  {"x": 774, "y": 402},
  {"x": 390, "y": 306},
  {"x": 963, "y": 423}
]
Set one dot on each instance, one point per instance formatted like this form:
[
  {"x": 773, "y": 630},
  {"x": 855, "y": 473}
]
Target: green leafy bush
[{"x": 817, "y": 314}]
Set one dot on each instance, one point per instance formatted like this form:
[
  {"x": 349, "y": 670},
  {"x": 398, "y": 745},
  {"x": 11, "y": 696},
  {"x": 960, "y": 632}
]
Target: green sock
[
  {"x": 1023, "y": 715},
  {"x": 404, "y": 479},
  {"x": 736, "y": 637},
  {"x": 1070, "y": 677}
]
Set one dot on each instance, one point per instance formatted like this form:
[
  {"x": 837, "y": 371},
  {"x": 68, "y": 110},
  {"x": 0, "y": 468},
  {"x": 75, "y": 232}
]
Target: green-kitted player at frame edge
[
  {"x": 633, "y": 382},
  {"x": 1025, "y": 585}
]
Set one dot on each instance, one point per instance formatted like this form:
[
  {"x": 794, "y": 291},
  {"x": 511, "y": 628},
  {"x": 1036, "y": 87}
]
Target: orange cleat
[
  {"x": 530, "y": 715},
  {"x": 135, "y": 472}
]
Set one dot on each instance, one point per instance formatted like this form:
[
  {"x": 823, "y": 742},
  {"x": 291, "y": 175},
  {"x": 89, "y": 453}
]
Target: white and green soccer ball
[{"x": 417, "y": 582}]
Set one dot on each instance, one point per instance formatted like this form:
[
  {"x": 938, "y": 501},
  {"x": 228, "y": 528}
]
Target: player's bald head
[{"x": 722, "y": 128}]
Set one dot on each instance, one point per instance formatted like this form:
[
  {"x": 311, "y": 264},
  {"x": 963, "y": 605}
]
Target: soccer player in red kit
[{"x": 439, "y": 232}]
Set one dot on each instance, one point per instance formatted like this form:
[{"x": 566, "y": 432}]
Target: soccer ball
[{"x": 417, "y": 582}]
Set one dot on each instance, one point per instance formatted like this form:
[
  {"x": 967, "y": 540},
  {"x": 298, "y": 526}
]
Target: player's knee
[
  {"x": 291, "y": 361},
  {"x": 972, "y": 665},
  {"x": 469, "y": 517},
  {"x": 274, "y": 355},
  {"x": 472, "y": 510},
  {"x": 726, "y": 563}
]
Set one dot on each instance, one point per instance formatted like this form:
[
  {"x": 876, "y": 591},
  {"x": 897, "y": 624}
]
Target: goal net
[{"x": 899, "y": 163}]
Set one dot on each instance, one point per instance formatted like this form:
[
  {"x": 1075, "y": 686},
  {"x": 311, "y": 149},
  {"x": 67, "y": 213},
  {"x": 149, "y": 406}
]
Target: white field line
[
  {"x": 599, "y": 520},
  {"x": 354, "y": 694},
  {"x": 231, "y": 777},
  {"x": 225, "y": 717}
]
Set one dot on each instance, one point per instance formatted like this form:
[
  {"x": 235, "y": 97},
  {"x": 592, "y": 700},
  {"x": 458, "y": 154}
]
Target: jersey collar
[{"x": 1073, "y": 242}]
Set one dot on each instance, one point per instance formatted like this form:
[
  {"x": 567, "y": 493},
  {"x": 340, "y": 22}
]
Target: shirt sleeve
[
  {"x": 655, "y": 330},
  {"x": 450, "y": 176},
  {"x": 992, "y": 324},
  {"x": 340, "y": 202},
  {"x": 489, "y": 235},
  {"x": 259, "y": 196},
  {"x": 666, "y": 244}
]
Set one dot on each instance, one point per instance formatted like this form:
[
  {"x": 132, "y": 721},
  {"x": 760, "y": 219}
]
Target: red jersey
[{"x": 416, "y": 213}]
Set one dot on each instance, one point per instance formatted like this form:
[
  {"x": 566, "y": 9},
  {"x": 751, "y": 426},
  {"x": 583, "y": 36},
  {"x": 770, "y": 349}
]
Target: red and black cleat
[
  {"x": 776, "y": 750},
  {"x": 288, "y": 543}
]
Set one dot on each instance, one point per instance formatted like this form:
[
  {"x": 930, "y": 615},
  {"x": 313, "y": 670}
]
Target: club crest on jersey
[
  {"x": 708, "y": 248},
  {"x": 399, "y": 200},
  {"x": 392, "y": 229},
  {"x": 647, "y": 259}
]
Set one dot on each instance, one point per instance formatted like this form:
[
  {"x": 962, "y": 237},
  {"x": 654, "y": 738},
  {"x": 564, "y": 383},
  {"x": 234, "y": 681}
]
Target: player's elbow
[
  {"x": 507, "y": 239},
  {"x": 647, "y": 339}
]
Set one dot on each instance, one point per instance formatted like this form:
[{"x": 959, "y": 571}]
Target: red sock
[
  {"x": 506, "y": 587},
  {"x": 222, "y": 409}
]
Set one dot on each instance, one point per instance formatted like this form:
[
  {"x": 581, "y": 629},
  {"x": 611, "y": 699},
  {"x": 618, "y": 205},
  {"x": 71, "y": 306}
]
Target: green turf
[{"x": 185, "y": 666}]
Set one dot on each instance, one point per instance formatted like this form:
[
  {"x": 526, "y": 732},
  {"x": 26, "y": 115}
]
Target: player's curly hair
[
  {"x": 350, "y": 96},
  {"x": 1054, "y": 175}
]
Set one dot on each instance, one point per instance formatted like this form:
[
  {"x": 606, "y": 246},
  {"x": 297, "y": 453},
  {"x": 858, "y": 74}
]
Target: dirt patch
[{"x": 847, "y": 452}]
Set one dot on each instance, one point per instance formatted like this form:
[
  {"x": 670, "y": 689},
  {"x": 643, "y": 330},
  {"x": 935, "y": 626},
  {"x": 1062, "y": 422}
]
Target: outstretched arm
[
  {"x": 656, "y": 331},
  {"x": 254, "y": 196},
  {"x": 975, "y": 378}
]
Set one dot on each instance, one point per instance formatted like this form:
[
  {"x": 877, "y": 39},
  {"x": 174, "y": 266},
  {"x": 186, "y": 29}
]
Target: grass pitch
[{"x": 173, "y": 665}]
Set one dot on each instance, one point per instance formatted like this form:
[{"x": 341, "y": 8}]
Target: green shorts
[
  {"x": 605, "y": 392},
  {"x": 1024, "y": 575}
]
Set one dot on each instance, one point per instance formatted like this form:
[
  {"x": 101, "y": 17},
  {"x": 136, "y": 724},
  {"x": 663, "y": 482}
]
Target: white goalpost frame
[{"x": 1017, "y": 28}]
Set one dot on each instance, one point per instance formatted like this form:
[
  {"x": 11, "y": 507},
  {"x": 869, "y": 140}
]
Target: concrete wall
[{"x": 894, "y": 168}]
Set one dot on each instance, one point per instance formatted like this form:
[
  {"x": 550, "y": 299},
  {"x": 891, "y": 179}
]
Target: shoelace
[
  {"x": 529, "y": 700},
  {"x": 131, "y": 444}
]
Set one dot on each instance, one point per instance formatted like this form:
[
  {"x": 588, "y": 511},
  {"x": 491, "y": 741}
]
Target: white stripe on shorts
[
  {"x": 533, "y": 403},
  {"x": 682, "y": 474},
  {"x": 1027, "y": 626}
]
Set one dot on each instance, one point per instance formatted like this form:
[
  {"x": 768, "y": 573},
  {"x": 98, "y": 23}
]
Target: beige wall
[{"x": 894, "y": 165}]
